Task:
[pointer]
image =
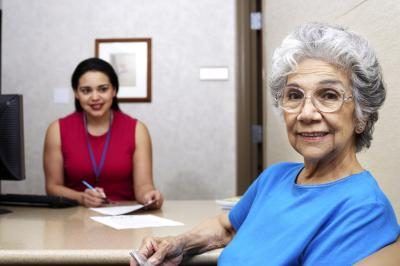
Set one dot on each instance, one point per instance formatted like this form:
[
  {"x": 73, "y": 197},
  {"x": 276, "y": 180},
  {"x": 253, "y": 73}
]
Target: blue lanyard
[{"x": 97, "y": 169}]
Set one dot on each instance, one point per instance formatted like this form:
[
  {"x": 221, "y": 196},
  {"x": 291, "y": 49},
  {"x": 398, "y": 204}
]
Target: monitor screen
[{"x": 12, "y": 158}]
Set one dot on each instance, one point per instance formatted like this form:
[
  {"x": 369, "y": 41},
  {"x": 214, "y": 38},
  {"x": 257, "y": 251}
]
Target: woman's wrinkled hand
[{"x": 165, "y": 251}]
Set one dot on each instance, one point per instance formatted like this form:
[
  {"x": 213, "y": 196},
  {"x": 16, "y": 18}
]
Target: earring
[{"x": 360, "y": 128}]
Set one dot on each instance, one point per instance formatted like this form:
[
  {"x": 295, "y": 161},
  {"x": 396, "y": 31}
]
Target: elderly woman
[{"x": 328, "y": 210}]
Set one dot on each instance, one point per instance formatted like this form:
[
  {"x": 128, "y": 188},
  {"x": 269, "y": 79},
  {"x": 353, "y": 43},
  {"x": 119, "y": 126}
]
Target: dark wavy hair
[{"x": 95, "y": 64}]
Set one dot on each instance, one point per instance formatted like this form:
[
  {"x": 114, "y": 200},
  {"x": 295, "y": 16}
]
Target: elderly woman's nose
[{"x": 308, "y": 111}]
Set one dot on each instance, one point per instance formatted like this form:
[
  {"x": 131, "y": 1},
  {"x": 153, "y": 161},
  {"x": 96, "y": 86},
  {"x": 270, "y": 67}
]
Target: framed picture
[{"x": 131, "y": 59}]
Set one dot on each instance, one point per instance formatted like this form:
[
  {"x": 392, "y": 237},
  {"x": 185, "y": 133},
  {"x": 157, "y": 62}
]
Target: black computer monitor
[{"x": 12, "y": 157}]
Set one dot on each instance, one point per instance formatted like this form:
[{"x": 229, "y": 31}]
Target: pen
[
  {"x": 89, "y": 186},
  {"x": 149, "y": 203}
]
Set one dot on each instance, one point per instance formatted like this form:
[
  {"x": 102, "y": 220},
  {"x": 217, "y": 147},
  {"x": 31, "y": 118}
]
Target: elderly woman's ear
[{"x": 360, "y": 126}]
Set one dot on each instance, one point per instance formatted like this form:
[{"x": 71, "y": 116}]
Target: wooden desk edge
[{"x": 87, "y": 257}]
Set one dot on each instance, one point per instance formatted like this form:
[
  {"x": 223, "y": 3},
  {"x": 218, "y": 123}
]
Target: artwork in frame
[{"x": 131, "y": 59}]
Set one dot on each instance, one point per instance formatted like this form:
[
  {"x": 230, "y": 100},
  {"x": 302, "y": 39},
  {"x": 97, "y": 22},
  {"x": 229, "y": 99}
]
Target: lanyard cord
[{"x": 97, "y": 169}]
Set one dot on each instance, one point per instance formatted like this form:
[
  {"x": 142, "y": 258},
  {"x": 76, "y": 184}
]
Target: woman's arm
[
  {"x": 214, "y": 233},
  {"x": 143, "y": 169},
  {"x": 53, "y": 165},
  {"x": 388, "y": 256}
]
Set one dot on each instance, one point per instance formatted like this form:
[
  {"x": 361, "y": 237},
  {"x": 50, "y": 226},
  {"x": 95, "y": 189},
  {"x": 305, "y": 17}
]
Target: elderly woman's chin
[{"x": 315, "y": 152}]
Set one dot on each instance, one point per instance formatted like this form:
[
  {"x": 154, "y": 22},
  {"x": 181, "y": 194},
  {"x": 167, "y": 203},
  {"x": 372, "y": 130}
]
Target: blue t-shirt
[{"x": 279, "y": 222}]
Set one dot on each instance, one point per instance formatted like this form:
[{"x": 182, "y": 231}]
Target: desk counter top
[{"x": 40, "y": 236}]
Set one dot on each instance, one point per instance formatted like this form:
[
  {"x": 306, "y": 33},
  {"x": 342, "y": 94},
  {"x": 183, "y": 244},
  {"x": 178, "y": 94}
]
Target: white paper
[
  {"x": 118, "y": 210},
  {"x": 134, "y": 221}
]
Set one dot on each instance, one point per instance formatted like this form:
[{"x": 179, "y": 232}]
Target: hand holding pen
[{"x": 93, "y": 197}]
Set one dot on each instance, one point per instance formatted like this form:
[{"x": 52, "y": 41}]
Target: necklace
[{"x": 97, "y": 168}]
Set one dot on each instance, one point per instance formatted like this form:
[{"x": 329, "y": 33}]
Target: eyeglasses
[{"x": 326, "y": 100}]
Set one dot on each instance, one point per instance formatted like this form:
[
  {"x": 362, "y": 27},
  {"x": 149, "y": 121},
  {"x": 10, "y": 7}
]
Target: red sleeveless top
[{"x": 116, "y": 177}]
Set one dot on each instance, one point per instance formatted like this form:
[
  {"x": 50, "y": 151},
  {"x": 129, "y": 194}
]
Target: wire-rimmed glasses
[{"x": 326, "y": 100}]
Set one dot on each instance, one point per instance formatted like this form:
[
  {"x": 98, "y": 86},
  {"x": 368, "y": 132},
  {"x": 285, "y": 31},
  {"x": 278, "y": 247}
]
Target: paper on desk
[
  {"x": 134, "y": 221},
  {"x": 118, "y": 210}
]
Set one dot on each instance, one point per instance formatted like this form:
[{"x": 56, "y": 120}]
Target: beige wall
[
  {"x": 192, "y": 122},
  {"x": 379, "y": 22}
]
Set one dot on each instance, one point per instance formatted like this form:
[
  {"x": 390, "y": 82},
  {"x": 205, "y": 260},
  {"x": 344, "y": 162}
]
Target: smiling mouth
[
  {"x": 312, "y": 136},
  {"x": 96, "y": 106}
]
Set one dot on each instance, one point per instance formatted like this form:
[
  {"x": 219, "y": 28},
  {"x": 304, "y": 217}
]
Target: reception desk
[{"x": 42, "y": 236}]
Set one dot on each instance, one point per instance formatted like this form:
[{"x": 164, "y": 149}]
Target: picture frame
[{"x": 131, "y": 60}]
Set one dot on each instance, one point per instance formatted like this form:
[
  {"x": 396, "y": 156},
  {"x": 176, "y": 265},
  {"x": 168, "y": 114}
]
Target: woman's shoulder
[
  {"x": 121, "y": 116},
  {"x": 125, "y": 123},
  {"x": 363, "y": 187},
  {"x": 70, "y": 123},
  {"x": 53, "y": 129},
  {"x": 55, "y": 125},
  {"x": 70, "y": 118}
]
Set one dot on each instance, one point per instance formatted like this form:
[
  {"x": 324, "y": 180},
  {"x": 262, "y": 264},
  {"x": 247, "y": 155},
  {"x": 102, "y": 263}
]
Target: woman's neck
[
  {"x": 98, "y": 126},
  {"x": 329, "y": 170}
]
